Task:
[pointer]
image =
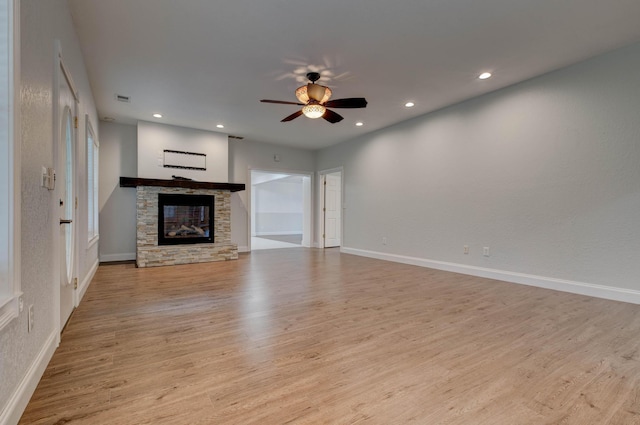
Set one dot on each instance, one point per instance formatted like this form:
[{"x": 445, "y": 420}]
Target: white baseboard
[
  {"x": 582, "y": 288},
  {"x": 21, "y": 396},
  {"x": 84, "y": 285},
  {"x": 243, "y": 248},
  {"x": 107, "y": 258}
]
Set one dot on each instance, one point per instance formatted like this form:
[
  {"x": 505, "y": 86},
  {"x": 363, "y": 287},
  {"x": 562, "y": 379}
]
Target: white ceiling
[{"x": 203, "y": 62}]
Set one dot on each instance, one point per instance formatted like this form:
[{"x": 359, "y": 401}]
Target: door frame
[
  {"x": 62, "y": 72},
  {"x": 249, "y": 192},
  {"x": 321, "y": 197}
]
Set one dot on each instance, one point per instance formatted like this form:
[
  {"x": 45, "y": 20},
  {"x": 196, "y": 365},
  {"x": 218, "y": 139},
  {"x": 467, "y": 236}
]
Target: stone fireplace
[{"x": 196, "y": 224}]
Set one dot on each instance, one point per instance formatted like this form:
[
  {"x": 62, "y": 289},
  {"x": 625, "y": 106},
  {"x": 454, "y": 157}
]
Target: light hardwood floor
[{"x": 306, "y": 336}]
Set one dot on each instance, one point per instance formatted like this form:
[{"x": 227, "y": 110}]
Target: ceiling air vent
[
  {"x": 121, "y": 98},
  {"x": 235, "y": 137}
]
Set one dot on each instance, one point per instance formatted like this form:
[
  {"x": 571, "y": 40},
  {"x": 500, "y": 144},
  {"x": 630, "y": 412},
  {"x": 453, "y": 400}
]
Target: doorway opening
[{"x": 280, "y": 215}]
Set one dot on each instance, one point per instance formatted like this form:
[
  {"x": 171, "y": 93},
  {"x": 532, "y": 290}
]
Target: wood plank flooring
[{"x": 306, "y": 336}]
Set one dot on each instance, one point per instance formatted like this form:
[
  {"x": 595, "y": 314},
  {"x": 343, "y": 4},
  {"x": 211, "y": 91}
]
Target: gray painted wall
[
  {"x": 41, "y": 23},
  {"x": 118, "y": 157},
  {"x": 545, "y": 173}
]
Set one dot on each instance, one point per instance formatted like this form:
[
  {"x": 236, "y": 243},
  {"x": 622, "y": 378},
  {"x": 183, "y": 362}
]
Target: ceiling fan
[{"x": 314, "y": 100}]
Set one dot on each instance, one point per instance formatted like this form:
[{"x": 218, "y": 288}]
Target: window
[
  {"x": 92, "y": 181},
  {"x": 9, "y": 167}
]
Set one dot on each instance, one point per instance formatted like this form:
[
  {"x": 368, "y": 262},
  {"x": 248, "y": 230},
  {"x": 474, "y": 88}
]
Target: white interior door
[
  {"x": 332, "y": 209},
  {"x": 65, "y": 191}
]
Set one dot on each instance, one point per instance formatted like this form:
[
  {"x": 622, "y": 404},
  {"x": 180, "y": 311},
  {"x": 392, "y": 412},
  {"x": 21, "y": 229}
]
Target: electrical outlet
[
  {"x": 466, "y": 249},
  {"x": 20, "y": 304},
  {"x": 485, "y": 251},
  {"x": 31, "y": 318},
  {"x": 384, "y": 240}
]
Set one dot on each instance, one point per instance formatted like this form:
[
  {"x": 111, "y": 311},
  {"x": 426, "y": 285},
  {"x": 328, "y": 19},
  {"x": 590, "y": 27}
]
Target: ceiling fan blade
[
  {"x": 283, "y": 102},
  {"x": 332, "y": 117},
  {"x": 292, "y": 116},
  {"x": 350, "y": 102}
]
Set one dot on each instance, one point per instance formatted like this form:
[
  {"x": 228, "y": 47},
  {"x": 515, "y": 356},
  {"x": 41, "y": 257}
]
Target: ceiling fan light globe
[
  {"x": 313, "y": 111},
  {"x": 316, "y": 92},
  {"x": 327, "y": 95},
  {"x": 301, "y": 94}
]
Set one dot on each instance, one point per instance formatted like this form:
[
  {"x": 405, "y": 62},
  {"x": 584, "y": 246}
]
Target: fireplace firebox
[{"x": 185, "y": 219}]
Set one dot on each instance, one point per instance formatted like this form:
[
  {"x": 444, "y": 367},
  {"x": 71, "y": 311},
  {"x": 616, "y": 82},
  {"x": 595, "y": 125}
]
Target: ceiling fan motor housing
[{"x": 313, "y": 76}]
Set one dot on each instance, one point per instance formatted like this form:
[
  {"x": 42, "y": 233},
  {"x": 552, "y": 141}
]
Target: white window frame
[
  {"x": 93, "y": 159},
  {"x": 10, "y": 194}
]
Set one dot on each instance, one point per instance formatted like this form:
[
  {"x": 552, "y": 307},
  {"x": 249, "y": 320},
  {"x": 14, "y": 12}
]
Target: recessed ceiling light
[
  {"x": 220, "y": 126},
  {"x": 359, "y": 124},
  {"x": 157, "y": 115},
  {"x": 484, "y": 75},
  {"x": 409, "y": 104}
]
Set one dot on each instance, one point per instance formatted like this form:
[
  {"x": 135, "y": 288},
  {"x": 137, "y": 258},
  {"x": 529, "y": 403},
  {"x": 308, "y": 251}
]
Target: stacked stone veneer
[{"x": 150, "y": 254}]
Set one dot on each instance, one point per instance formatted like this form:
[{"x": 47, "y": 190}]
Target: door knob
[{"x": 63, "y": 221}]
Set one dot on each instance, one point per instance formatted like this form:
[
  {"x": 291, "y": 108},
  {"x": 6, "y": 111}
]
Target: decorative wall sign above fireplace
[
  {"x": 185, "y": 219},
  {"x": 185, "y": 160}
]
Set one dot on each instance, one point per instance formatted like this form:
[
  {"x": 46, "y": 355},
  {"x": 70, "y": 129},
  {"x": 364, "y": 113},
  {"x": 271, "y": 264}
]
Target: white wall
[
  {"x": 245, "y": 155},
  {"x": 24, "y": 355},
  {"x": 278, "y": 208},
  {"x": 544, "y": 173},
  {"x": 118, "y": 158},
  {"x": 153, "y": 138}
]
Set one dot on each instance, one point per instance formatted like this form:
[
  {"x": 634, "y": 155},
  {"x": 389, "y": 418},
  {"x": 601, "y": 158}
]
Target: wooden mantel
[{"x": 188, "y": 184}]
